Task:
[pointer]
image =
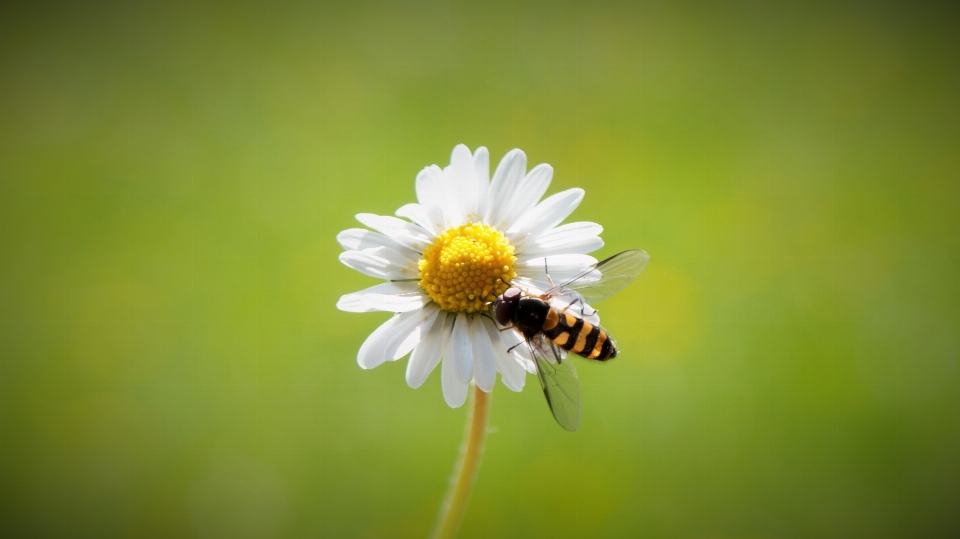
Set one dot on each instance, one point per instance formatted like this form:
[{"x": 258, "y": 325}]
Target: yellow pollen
[{"x": 467, "y": 267}]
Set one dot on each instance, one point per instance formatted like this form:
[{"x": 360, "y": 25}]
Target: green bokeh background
[{"x": 172, "y": 178}]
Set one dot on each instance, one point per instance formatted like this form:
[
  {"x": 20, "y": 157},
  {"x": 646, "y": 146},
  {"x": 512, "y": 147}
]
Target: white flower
[{"x": 465, "y": 241}]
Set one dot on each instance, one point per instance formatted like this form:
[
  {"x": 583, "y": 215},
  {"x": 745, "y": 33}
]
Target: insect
[{"x": 550, "y": 332}]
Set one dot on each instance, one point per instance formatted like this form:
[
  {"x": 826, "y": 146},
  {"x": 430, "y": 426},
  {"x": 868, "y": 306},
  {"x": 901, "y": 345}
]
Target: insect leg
[
  {"x": 495, "y": 324},
  {"x": 582, "y": 307},
  {"x": 572, "y": 303},
  {"x": 546, "y": 271}
]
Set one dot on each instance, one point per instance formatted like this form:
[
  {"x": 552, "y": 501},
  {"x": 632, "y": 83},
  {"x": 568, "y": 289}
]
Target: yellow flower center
[{"x": 467, "y": 267}]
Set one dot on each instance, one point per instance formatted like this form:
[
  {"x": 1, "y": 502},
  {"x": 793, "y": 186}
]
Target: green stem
[{"x": 465, "y": 474}]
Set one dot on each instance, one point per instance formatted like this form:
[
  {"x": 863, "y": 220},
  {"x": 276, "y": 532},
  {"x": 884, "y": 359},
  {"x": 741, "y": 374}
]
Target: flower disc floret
[{"x": 467, "y": 267}]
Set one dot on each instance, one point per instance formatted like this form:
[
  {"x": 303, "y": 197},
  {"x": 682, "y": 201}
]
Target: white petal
[
  {"x": 481, "y": 164},
  {"x": 585, "y": 244},
  {"x": 397, "y": 297},
  {"x": 572, "y": 238},
  {"x": 409, "y": 297},
  {"x": 428, "y": 187},
  {"x": 521, "y": 353},
  {"x": 528, "y": 192},
  {"x": 525, "y": 359},
  {"x": 462, "y": 174},
  {"x": 356, "y": 239},
  {"x": 510, "y": 339},
  {"x": 560, "y": 267},
  {"x": 453, "y": 189},
  {"x": 386, "y": 340},
  {"x": 580, "y": 228},
  {"x": 403, "y": 347},
  {"x": 546, "y": 215},
  {"x": 407, "y": 234},
  {"x": 399, "y": 257},
  {"x": 512, "y": 373},
  {"x": 506, "y": 179},
  {"x": 461, "y": 346},
  {"x": 428, "y": 353},
  {"x": 382, "y": 263},
  {"x": 396, "y": 303},
  {"x": 481, "y": 168},
  {"x": 454, "y": 391},
  {"x": 373, "y": 350},
  {"x": 477, "y": 185},
  {"x": 418, "y": 214},
  {"x": 430, "y": 193},
  {"x": 353, "y": 303},
  {"x": 484, "y": 358}
]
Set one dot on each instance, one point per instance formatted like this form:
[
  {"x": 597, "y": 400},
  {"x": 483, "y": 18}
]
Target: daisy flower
[{"x": 445, "y": 258}]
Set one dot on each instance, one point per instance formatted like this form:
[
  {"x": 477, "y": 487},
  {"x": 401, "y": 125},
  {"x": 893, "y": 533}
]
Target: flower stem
[{"x": 465, "y": 474}]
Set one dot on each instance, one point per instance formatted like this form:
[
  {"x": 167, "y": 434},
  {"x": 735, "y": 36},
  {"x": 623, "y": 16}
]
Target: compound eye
[
  {"x": 512, "y": 294},
  {"x": 505, "y": 309}
]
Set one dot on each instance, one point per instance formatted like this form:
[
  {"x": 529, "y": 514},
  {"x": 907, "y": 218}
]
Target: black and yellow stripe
[{"x": 578, "y": 336}]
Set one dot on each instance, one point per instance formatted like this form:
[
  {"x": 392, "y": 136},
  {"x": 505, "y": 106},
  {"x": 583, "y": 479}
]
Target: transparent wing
[
  {"x": 559, "y": 381},
  {"x": 605, "y": 278}
]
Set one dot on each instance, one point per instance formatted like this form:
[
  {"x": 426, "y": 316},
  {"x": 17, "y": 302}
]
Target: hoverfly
[{"x": 549, "y": 333}]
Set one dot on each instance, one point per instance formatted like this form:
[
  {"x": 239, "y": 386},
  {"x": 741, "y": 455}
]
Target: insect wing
[
  {"x": 605, "y": 278},
  {"x": 560, "y": 384}
]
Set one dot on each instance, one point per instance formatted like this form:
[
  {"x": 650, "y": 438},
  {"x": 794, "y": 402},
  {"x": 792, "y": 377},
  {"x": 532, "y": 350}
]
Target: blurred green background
[{"x": 172, "y": 178}]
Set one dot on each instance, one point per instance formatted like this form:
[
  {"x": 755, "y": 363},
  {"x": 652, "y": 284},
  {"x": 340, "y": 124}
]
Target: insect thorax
[{"x": 530, "y": 315}]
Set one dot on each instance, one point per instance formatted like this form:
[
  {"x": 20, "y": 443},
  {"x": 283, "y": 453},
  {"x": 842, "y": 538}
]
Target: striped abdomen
[{"x": 578, "y": 336}]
